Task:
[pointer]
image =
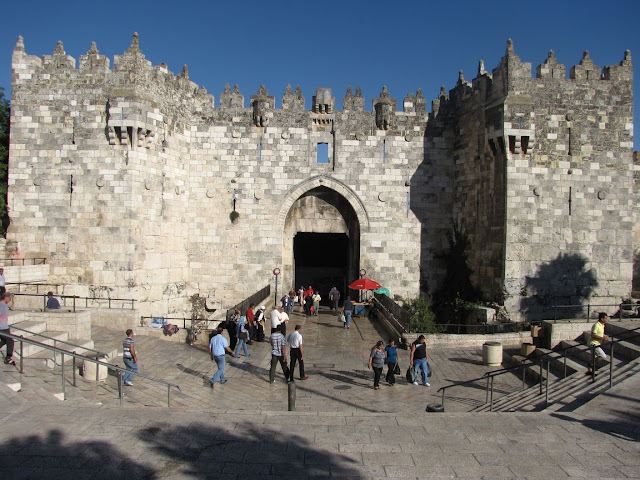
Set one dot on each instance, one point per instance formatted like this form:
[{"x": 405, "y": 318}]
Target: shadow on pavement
[
  {"x": 243, "y": 451},
  {"x": 49, "y": 456}
]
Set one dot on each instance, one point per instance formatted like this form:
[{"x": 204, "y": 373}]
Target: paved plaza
[{"x": 341, "y": 426}]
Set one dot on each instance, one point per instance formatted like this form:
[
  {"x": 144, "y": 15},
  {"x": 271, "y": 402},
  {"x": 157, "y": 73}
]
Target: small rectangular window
[{"x": 322, "y": 153}]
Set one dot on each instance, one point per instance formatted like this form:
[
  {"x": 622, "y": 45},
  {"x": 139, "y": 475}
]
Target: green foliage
[
  {"x": 423, "y": 320},
  {"x": 4, "y": 154},
  {"x": 457, "y": 296}
]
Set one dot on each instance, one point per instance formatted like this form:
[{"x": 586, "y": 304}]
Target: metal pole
[
  {"x": 74, "y": 370},
  {"x": 55, "y": 356},
  {"x": 593, "y": 363},
  {"x": 491, "y": 405},
  {"x": 565, "y": 365},
  {"x": 540, "y": 378},
  {"x": 275, "y": 297},
  {"x": 611, "y": 366},
  {"x": 120, "y": 389},
  {"x": 546, "y": 387},
  {"x": 524, "y": 373},
  {"x": 97, "y": 370},
  {"x": 486, "y": 396},
  {"x": 64, "y": 393},
  {"x": 169, "y": 396},
  {"x": 21, "y": 356},
  {"x": 291, "y": 386}
]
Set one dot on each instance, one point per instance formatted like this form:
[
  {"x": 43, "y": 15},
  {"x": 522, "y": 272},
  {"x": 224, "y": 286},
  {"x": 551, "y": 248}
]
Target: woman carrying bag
[{"x": 376, "y": 361}]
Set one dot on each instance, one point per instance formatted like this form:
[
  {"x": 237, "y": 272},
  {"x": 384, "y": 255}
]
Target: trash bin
[{"x": 492, "y": 354}]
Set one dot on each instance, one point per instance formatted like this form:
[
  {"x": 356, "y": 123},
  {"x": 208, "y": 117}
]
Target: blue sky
[{"x": 333, "y": 43}]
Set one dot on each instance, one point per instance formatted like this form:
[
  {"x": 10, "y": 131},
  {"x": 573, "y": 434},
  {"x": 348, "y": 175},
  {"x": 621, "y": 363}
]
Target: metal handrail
[
  {"x": 97, "y": 352},
  {"x": 261, "y": 294},
  {"x": 74, "y": 305},
  {"x": 119, "y": 370},
  {"x": 540, "y": 361}
]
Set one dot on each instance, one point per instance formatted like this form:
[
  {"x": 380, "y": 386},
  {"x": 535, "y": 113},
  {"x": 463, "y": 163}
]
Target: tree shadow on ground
[
  {"x": 559, "y": 289},
  {"x": 50, "y": 456},
  {"x": 244, "y": 450}
]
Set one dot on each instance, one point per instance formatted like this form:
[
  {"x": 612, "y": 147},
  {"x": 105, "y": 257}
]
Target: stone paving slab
[{"x": 245, "y": 431}]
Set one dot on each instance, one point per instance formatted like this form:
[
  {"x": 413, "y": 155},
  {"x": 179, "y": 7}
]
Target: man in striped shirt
[
  {"x": 278, "y": 354},
  {"x": 130, "y": 358}
]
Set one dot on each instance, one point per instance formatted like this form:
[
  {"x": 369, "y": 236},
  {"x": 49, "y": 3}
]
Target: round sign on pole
[
  {"x": 363, "y": 272},
  {"x": 276, "y": 271}
]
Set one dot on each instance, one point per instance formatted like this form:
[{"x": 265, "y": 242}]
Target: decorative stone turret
[
  {"x": 293, "y": 101},
  {"x": 229, "y": 99},
  {"x": 384, "y": 107},
  {"x": 262, "y": 105},
  {"x": 353, "y": 103}
]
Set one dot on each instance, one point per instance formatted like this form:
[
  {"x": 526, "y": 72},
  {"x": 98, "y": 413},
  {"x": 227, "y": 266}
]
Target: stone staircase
[{"x": 574, "y": 390}]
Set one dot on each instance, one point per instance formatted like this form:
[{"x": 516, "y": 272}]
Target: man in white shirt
[
  {"x": 295, "y": 347},
  {"x": 2, "y": 282},
  {"x": 275, "y": 319},
  {"x": 284, "y": 319}
]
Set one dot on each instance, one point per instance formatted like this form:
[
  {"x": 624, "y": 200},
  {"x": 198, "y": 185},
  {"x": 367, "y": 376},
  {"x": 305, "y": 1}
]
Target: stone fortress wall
[{"x": 125, "y": 178}]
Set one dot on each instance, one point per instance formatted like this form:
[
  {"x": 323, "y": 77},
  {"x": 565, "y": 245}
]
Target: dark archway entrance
[{"x": 322, "y": 261}]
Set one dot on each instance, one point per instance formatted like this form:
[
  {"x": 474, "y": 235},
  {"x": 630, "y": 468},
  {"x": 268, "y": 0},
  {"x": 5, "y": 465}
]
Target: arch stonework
[{"x": 323, "y": 181}]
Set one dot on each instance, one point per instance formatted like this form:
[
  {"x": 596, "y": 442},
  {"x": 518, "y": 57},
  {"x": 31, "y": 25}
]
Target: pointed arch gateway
[{"x": 321, "y": 220}]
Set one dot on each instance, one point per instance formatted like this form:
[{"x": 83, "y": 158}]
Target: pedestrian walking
[
  {"x": 130, "y": 358},
  {"x": 243, "y": 337},
  {"x": 278, "y": 354},
  {"x": 597, "y": 337},
  {"x": 376, "y": 361},
  {"x": 316, "y": 302},
  {"x": 250, "y": 326},
  {"x": 419, "y": 360},
  {"x": 232, "y": 328},
  {"x": 259, "y": 323},
  {"x": 297, "y": 355},
  {"x": 391, "y": 354},
  {"x": 4, "y": 328},
  {"x": 347, "y": 310},
  {"x": 218, "y": 345},
  {"x": 334, "y": 297}
]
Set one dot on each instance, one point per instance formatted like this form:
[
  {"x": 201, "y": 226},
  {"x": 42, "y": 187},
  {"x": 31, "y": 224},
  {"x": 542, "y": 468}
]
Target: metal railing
[
  {"x": 56, "y": 341},
  {"x": 120, "y": 371},
  {"x": 543, "y": 362},
  {"x": 255, "y": 298},
  {"x": 23, "y": 261},
  {"x": 74, "y": 301},
  {"x": 586, "y": 310}
]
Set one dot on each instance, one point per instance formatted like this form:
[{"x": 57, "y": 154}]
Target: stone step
[
  {"x": 51, "y": 360},
  {"x": 16, "y": 317},
  {"x": 30, "y": 350},
  {"x": 31, "y": 327},
  {"x": 571, "y": 391}
]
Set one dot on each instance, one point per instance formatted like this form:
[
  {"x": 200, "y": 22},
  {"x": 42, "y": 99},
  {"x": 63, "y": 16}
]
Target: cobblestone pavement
[{"x": 341, "y": 427}]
